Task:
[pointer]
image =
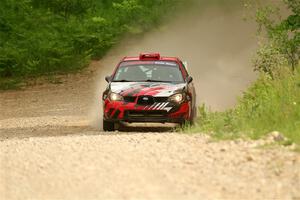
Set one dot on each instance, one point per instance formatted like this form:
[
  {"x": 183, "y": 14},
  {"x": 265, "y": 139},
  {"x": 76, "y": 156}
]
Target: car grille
[
  {"x": 149, "y": 100},
  {"x": 160, "y": 99},
  {"x": 129, "y": 99},
  {"x": 149, "y": 115},
  {"x": 145, "y": 100}
]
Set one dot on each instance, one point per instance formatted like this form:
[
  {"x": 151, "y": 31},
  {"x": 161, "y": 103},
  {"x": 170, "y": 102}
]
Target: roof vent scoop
[{"x": 149, "y": 56}]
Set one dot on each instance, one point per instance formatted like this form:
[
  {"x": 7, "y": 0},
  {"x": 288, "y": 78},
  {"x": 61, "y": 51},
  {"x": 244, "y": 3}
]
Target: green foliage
[
  {"x": 266, "y": 106},
  {"x": 56, "y": 36},
  {"x": 272, "y": 103},
  {"x": 282, "y": 42},
  {"x": 10, "y": 84},
  {"x": 65, "y": 8},
  {"x": 294, "y": 5}
]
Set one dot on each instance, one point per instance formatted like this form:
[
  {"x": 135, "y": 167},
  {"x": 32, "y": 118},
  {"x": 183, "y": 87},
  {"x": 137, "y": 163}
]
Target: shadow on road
[
  {"x": 60, "y": 131},
  {"x": 146, "y": 128},
  {"x": 55, "y": 131}
]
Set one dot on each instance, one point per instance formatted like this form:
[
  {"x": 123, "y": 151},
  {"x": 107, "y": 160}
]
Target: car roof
[{"x": 154, "y": 57}]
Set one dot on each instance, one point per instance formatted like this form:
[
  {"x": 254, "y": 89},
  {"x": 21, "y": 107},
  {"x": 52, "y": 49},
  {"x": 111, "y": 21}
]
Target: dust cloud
[{"x": 215, "y": 41}]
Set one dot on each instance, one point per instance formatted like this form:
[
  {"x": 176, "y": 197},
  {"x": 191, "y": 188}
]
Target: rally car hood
[{"x": 146, "y": 88}]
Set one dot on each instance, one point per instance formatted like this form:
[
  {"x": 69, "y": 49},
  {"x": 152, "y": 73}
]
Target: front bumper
[{"x": 164, "y": 112}]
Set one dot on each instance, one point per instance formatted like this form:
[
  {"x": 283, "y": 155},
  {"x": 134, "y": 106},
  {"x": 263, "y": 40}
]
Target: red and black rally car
[{"x": 149, "y": 88}]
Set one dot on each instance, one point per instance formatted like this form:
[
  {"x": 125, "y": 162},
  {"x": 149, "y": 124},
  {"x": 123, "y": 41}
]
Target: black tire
[
  {"x": 191, "y": 120},
  {"x": 108, "y": 126}
]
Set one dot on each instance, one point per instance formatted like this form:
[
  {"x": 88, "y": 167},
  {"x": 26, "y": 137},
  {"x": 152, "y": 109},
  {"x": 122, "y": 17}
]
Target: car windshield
[{"x": 148, "y": 71}]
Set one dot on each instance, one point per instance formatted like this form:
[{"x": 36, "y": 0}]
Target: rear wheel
[{"x": 108, "y": 126}]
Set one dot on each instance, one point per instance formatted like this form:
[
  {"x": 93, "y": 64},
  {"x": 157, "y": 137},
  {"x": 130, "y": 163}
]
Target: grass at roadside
[
  {"x": 272, "y": 103},
  {"x": 10, "y": 83},
  {"x": 268, "y": 105}
]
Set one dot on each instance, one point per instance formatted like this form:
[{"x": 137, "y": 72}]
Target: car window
[{"x": 149, "y": 71}]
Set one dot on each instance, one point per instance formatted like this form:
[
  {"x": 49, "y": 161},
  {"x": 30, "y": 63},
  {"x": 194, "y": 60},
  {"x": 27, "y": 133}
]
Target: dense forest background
[{"x": 50, "y": 36}]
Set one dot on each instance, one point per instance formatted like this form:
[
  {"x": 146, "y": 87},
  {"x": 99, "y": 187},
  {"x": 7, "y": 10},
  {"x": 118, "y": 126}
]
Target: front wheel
[
  {"x": 191, "y": 120},
  {"x": 193, "y": 116},
  {"x": 108, "y": 126}
]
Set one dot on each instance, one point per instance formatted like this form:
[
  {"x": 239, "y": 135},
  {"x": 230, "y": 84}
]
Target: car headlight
[
  {"x": 177, "y": 98},
  {"x": 115, "y": 97}
]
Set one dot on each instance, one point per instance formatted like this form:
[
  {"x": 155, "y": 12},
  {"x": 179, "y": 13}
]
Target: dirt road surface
[
  {"x": 48, "y": 150},
  {"x": 51, "y": 148}
]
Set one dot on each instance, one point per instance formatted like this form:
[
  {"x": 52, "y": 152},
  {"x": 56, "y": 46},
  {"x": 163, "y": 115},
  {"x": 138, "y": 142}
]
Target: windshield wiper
[
  {"x": 149, "y": 80},
  {"x": 121, "y": 81}
]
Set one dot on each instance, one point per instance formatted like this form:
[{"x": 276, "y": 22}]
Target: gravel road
[{"x": 48, "y": 150}]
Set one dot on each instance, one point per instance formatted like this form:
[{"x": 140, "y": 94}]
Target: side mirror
[
  {"x": 189, "y": 79},
  {"x": 108, "y": 78}
]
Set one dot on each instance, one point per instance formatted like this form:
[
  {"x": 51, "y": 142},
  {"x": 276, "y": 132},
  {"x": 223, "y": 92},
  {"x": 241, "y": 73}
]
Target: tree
[{"x": 283, "y": 38}]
